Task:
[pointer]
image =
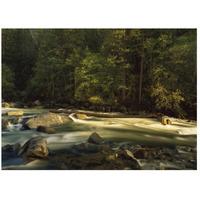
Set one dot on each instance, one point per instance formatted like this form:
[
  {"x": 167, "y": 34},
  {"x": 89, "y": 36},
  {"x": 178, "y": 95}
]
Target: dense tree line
[{"x": 137, "y": 69}]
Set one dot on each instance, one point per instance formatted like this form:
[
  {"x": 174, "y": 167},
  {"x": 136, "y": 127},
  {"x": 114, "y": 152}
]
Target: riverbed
[{"x": 142, "y": 131}]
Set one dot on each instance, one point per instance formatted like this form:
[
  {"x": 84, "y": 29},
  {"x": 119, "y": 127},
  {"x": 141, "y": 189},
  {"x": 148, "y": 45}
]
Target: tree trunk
[{"x": 141, "y": 71}]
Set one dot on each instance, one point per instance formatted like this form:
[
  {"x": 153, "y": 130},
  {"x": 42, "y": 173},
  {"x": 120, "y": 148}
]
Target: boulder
[
  {"x": 34, "y": 148},
  {"x": 20, "y": 112},
  {"x": 46, "y": 129},
  {"x": 48, "y": 120},
  {"x": 81, "y": 116},
  {"x": 95, "y": 138}
]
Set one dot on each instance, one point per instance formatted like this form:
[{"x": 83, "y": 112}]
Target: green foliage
[
  {"x": 103, "y": 66},
  {"x": 8, "y": 87}
]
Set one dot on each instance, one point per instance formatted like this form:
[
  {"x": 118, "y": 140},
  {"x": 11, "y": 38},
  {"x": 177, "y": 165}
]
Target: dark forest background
[{"x": 127, "y": 70}]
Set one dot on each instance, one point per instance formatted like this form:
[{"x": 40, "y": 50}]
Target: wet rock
[
  {"x": 15, "y": 113},
  {"x": 48, "y": 120},
  {"x": 81, "y": 116},
  {"x": 46, "y": 129},
  {"x": 11, "y": 147},
  {"x": 25, "y": 127},
  {"x": 4, "y": 123},
  {"x": 92, "y": 148},
  {"x": 126, "y": 154},
  {"x": 15, "y": 120},
  {"x": 140, "y": 153},
  {"x": 183, "y": 148},
  {"x": 194, "y": 150},
  {"x": 34, "y": 148},
  {"x": 95, "y": 138}
]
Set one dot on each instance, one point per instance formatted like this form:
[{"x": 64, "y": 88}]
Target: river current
[{"x": 143, "y": 131}]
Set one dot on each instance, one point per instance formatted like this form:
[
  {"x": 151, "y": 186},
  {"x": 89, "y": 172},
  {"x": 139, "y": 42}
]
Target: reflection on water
[{"x": 136, "y": 130}]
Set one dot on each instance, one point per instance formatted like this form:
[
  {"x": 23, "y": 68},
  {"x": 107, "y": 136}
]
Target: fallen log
[
  {"x": 103, "y": 115},
  {"x": 15, "y": 113}
]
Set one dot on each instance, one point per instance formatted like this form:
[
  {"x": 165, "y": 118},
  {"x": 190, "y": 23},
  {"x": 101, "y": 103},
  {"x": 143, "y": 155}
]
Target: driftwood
[{"x": 103, "y": 115}]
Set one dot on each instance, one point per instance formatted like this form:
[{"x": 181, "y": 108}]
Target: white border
[{"x": 100, "y": 185}]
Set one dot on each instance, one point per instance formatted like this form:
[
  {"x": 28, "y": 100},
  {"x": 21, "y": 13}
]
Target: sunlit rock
[
  {"x": 164, "y": 120},
  {"x": 47, "y": 120},
  {"x": 81, "y": 116}
]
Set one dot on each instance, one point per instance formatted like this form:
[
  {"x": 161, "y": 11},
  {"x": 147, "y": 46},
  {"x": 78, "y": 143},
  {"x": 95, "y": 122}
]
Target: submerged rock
[
  {"x": 48, "y": 120},
  {"x": 34, "y": 148},
  {"x": 95, "y": 138},
  {"x": 81, "y": 116},
  {"x": 46, "y": 129}
]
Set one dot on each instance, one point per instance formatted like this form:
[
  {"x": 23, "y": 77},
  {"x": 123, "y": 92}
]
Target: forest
[{"x": 125, "y": 70}]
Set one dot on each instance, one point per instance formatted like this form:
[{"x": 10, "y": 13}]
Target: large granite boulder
[
  {"x": 34, "y": 148},
  {"x": 48, "y": 120}
]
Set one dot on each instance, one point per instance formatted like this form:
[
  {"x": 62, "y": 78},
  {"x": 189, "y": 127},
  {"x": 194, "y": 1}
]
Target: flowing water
[{"x": 143, "y": 131}]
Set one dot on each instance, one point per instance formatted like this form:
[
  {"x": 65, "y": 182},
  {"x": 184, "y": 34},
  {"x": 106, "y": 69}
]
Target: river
[{"x": 143, "y": 131}]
